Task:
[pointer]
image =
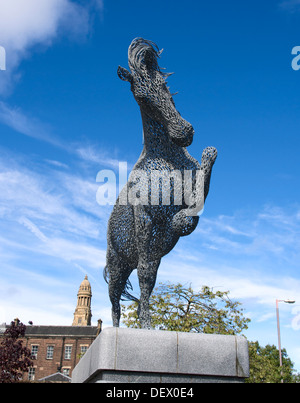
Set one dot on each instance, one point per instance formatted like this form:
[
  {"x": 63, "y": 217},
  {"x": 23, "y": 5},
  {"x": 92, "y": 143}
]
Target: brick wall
[{"x": 66, "y": 353}]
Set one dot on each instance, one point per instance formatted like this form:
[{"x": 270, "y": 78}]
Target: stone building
[
  {"x": 83, "y": 313},
  {"x": 56, "y": 350}
]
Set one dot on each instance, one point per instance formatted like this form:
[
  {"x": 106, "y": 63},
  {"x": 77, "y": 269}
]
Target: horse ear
[{"x": 124, "y": 74}]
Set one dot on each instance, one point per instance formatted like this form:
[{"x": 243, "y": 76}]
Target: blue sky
[{"x": 65, "y": 115}]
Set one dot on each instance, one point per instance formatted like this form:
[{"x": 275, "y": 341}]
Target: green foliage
[
  {"x": 14, "y": 358},
  {"x": 177, "y": 308},
  {"x": 265, "y": 368}
]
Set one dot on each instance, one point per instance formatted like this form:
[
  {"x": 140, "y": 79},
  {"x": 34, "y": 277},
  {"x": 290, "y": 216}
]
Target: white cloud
[
  {"x": 27, "y": 23},
  {"x": 19, "y": 299},
  {"x": 251, "y": 286}
]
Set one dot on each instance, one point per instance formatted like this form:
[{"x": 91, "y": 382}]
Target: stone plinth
[{"x": 134, "y": 355}]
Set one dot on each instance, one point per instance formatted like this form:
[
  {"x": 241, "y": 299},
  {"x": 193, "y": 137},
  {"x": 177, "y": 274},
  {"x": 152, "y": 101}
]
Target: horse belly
[
  {"x": 121, "y": 233},
  {"x": 163, "y": 239}
]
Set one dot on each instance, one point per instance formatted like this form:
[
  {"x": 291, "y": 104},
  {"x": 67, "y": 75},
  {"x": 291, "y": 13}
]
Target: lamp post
[{"x": 286, "y": 301}]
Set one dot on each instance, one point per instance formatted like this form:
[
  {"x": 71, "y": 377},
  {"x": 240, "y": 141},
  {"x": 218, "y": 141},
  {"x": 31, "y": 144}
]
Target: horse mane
[{"x": 143, "y": 55}]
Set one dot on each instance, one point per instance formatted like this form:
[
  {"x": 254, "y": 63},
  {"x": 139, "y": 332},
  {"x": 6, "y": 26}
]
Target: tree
[
  {"x": 265, "y": 368},
  {"x": 175, "y": 307},
  {"x": 14, "y": 358}
]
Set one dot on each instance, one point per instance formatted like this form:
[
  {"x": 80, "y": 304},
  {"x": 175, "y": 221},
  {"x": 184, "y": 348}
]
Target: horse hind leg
[
  {"x": 117, "y": 285},
  {"x": 117, "y": 274}
]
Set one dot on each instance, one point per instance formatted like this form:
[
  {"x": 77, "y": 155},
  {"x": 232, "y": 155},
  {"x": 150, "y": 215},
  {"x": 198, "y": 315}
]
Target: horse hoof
[{"x": 209, "y": 155}]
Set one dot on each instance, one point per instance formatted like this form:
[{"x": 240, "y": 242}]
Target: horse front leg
[
  {"x": 186, "y": 220},
  {"x": 202, "y": 181},
  {"x": 208, "y": 159},
  {"x": 147, "y": 274}
]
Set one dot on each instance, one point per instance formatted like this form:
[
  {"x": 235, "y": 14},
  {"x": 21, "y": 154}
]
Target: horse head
[{"x": 149, "y": 87}]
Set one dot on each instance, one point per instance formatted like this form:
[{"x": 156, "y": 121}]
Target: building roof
[
  {"x": 78, "y": 331},
  {"x": 57, "y": 377},
  {"x": 85, "y": 285}
]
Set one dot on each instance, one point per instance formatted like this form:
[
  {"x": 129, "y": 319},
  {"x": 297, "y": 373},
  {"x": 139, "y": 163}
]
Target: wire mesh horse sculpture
[{"x": 165, "y": 191}]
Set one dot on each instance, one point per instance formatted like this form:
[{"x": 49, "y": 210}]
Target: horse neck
[{"x": 156, "y": 137}]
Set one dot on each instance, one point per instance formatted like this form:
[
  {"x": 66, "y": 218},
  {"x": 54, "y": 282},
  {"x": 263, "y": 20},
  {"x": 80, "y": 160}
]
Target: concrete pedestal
[{"x": 152, "y": 356}]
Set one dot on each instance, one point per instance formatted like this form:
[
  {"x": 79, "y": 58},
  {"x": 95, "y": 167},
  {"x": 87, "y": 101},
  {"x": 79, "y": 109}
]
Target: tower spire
[{"x": 83, "y": 313}]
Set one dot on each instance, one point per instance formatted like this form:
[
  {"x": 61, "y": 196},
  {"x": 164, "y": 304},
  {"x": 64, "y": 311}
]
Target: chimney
[{"x": 99, "y": 327}]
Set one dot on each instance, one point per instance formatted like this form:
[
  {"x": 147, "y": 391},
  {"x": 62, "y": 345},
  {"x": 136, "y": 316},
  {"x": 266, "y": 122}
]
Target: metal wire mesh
[{"x": 166, "y": 188}]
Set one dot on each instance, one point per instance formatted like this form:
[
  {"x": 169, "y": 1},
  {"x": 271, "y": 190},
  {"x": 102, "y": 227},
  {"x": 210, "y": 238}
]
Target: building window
[
  {"x": 34, "y": 352},
  {"x": 68, "y": 352},
  {"x": 50, "y": 350},
  {"x": 66, "y": 371},
  {"x": 83, "y": 350},
  {"x": 31, "y": 374}
]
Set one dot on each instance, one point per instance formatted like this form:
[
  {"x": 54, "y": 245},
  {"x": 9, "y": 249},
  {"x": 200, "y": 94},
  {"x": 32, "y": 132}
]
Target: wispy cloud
[
  {"x": 50, "y": 221},
  {"x": 57, "y": 164},
  {"x": 50, "y": 198},
  {"x": 15, "y": 118},
  {"x": 290, "y": 5},
  {"x": 70, "y": 250},
  {"x": 91, "y": 154},
  {"x": 270, "y": 233}
]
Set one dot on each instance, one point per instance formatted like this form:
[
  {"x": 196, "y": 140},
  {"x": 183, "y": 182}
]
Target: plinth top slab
[{"x": 153, "y": 351}]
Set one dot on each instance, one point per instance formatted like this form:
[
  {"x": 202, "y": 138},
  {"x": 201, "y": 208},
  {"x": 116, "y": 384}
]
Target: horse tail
[
  {"x": 126, "y": 296},
  {"x": 106, "y": 274}
]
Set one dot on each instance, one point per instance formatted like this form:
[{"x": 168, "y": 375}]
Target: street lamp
[{"x": 286, "y": 301}]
